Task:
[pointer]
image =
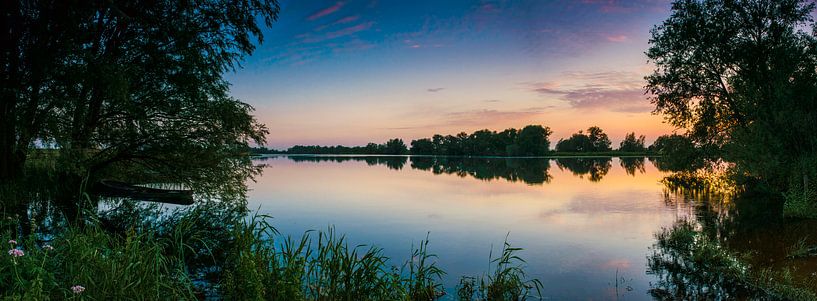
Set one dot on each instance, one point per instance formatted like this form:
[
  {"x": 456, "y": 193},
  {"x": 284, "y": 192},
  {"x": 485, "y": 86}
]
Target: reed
[{"x": 220, "y": 254}]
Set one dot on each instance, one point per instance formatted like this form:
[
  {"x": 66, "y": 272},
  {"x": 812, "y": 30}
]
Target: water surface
[{"x": 581, "y": 221}]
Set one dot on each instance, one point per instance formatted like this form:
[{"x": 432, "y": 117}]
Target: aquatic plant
[{"x": 507, "y": 281}]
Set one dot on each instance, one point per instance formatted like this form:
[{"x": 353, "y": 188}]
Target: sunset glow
[{"x": 352, "y": 72}]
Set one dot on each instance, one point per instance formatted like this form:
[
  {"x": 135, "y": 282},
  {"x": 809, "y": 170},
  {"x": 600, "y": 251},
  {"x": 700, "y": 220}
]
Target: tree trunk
[{"x": 11, "y": 159}]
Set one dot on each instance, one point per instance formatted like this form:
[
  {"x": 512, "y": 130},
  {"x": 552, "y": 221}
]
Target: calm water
[{"x": 580, "y": 221}]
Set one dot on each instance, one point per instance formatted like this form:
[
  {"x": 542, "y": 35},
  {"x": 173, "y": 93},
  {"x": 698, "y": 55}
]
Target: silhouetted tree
[
  {"x": 533, "y": 140},
  {"x": 678, "y": 153},
  {"x": 395, "y": 147},
  {"x": 594, "y": 141},
  {"x": 422, "y": 147},
  {"x": 598, "y": 139},
  {"x": 578, "y": 142},
  {"x": 133, "y": 82},
  {"x": 740, "y": 77},
  {"x": 632, "y": 144}
]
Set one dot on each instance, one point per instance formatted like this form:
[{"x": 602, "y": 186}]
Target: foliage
[
  {"x": 632, "y": 144},
  {"x": 216, "y": 251},
  {"x": 532, "y": 140},
  {"x": 799, "y": 201},
  {"x": 394, "y": 146},
  {"x": 678, "y": 153},
  {"x": 740, "y": 78},
  {"x": 107, "y": 267},
  {"x": 594, "y": 141},
  {"x": 112, "y": 85}
]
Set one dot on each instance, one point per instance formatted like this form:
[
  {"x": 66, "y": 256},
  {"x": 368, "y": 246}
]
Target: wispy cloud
[
  {"x": 435, "y": 89},
  {"x": 349, "y": 30},
  {"x": 347, "y": 19},
  {"x": 478, "y": 117},
  {"x": 341, "y": 21},
  {"x": 325, "y": 11},
  {"x": 613, "y": 91},
  {"x": 451, "y": 119},
  {"x": 317, "y": 43},
  {"x": 617, "y": 38},
  {"x": 346, "y": 31}
]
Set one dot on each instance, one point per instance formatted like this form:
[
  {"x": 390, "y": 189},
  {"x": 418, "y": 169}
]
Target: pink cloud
[
  {"x": 310, "y": 38},
  {"x": 347, "y": 19},
  {"x": 478, "y": 117},
  {"x": 617, "y": 38},
  {"x": 349, "y": 30},
  {"x": 613, "y": 91},
  {"x": 326, "y": 11}
]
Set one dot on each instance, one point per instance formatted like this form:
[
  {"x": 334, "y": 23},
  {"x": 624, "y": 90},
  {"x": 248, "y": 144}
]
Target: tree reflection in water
[
  {"x": 594, "y": 168},
  {"x": 529, "y": 171},
  {"x": 632, "y": 165},
  {"x": 730, "y": 245}
]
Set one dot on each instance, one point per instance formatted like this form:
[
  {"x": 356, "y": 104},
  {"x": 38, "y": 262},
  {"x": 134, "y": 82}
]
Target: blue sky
[{"x": 351, "y": 72}]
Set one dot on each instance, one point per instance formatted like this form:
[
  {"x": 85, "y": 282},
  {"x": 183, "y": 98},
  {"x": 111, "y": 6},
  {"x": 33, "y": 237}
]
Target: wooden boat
[{"x": 111, "y": 188}]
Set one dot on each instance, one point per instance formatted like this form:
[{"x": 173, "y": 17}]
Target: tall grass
[
  {"x": 507, "y": 280},
  {"x": 322, "y": 266},
  {"x": 108, "y": 267},
  {"x": 220, "y": 254}
]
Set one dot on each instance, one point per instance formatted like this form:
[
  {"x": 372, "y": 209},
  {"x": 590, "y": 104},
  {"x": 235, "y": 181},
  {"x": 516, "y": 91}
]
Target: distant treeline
[
  {"x": 392, "y": 147},
  {"x": 530, "y": 141}
]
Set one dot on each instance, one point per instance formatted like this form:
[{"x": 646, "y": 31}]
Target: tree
[
  {"x": 533, "y": 140},
  {"x": 422, "y": 147},
  {"x": 482, "y": 143},
  {"x": 505, "y": 142},
  {"x": 137, "y": 82},
  {"x": 632, "y": 144},
  {"x": 578, "y": 142},
  {"x": 594, "y": 141},
  {"x": 598, "y": 139},
  {"x": 678, "y": 153},
  {"x": 395, "y": 147},
  {"x": 741, "y": 78}
]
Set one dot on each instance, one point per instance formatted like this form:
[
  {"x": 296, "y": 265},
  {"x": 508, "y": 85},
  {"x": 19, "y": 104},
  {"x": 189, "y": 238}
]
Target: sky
[{"x": 351, "y": 72}]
